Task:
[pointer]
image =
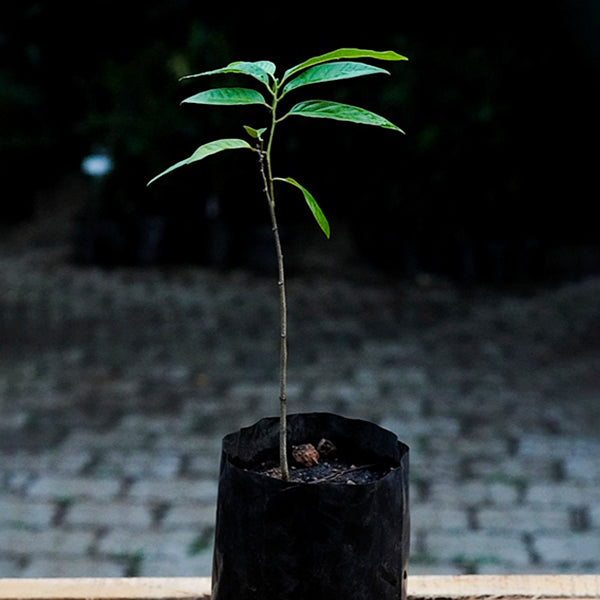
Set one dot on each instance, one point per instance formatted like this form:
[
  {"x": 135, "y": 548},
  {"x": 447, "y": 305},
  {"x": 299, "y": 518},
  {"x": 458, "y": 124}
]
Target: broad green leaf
[
  {"x": 261, "y": 70},
  {"x": 218, "y": 146},
  {"x": 344, "y": 53},
  {"x": 227, "y": 96},
  {"x": 255, "y": 133},
  {"x": 312, "y": 204},
  {"x": 207, "y": 150},
  {"x": 331, "y": 72},
  {"x": 266, "y": 65},
  {"x": 325, "y": 109},
  {"x": 181, "y": 163}
]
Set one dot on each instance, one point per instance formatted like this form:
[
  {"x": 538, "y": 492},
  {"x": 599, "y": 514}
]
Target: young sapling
[{"x": 332, "y": 66}]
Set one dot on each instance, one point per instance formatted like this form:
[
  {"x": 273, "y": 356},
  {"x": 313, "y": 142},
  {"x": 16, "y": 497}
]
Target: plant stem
[
  {"x": 265, "y": 157},
  {"x": 283, "y": 350}
]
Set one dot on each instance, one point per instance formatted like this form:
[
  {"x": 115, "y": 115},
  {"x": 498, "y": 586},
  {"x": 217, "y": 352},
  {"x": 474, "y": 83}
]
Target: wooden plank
[
  {"x": 504, "y": 586},
  {"x": 125, "y": 588},
  {"x": 463, "y": 587}
]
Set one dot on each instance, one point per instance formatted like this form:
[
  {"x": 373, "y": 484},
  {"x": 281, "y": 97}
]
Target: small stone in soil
[
  {"x": 326, "y": 447},
  {"x": 305, "y": 455}
]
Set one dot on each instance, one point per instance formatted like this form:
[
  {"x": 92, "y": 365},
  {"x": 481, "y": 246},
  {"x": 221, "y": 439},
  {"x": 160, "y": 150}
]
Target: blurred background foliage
[{"x": 499, "y": 102}]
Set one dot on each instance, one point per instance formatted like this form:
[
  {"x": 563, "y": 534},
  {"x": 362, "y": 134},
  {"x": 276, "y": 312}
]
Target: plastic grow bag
[{"x": 277, "y": 540}]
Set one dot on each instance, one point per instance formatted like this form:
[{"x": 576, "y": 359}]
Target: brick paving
[{"x": 116, "y": 387}]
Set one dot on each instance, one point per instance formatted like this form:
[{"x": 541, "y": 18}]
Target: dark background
[{"x": 495, "y": 179}]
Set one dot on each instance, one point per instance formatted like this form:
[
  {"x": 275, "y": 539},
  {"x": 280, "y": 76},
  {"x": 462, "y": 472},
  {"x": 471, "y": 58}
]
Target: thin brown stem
[{"x": 265, "y": 170}]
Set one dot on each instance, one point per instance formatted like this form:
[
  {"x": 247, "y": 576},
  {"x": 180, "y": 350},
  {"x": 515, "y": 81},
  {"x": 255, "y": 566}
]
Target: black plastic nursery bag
[{"x": 279, "y": 540}]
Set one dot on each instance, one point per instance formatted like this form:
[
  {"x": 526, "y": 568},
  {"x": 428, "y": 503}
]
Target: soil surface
[
  {"x": 324, "y": 462},
  {"x": 333, "y": 470}
]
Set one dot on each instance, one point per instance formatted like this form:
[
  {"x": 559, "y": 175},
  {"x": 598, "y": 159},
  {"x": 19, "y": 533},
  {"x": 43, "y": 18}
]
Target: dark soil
[{"x": 334, "y": 470}]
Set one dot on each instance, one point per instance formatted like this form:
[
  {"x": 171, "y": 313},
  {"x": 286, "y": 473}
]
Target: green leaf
[
  {"x": 255, "y": 133},
  {"x": 227, "y": 96},
  {"x": 181, "y": 163},
  {"x": 312, "y": 204},
  {"x": 207, "y": 150},
  {"x": 261, "y": 70},
  {"x": 218, "y": 146},
  {"x": 266, "y": 65},
  {"x": 344, "y": 53},
  {"x": 331, "y": 72},
  {"x": 325, "y": 109}
]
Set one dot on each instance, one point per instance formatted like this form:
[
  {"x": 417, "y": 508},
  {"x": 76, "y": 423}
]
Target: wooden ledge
[
  {"x": 463, "y": 587},
  {"x": 536, "y": 587}
]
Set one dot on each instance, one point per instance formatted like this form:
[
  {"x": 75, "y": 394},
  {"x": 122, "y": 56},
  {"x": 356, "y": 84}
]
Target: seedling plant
[{"x": 332, "y": 66}]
